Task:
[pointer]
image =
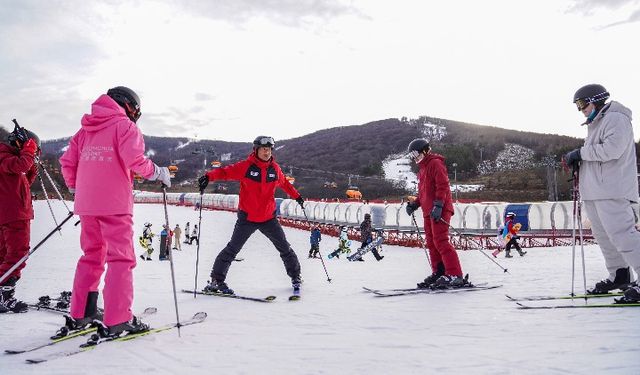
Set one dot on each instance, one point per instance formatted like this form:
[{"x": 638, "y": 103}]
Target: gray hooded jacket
[{"x": 608, "y": 169}]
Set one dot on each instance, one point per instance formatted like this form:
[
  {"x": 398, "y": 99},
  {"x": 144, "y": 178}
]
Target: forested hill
[{"x": 357, "y": 152}]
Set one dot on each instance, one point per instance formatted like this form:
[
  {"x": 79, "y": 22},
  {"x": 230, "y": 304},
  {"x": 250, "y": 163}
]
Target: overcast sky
[{"x": 234, "y": 69}]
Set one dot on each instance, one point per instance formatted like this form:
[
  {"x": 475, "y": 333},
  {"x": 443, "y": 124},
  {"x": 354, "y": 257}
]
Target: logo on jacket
[{"x": 254, "y": 173}]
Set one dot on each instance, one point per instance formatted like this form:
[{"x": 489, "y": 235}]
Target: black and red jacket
[
  {"x": 433, "y": 184},
  {"x": 17, "y": 173},
  {"x": 258, "y": 182}
]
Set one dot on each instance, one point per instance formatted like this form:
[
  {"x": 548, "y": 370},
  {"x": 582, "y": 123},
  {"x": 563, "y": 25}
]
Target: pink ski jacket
[{"x": 102, "y": 158}]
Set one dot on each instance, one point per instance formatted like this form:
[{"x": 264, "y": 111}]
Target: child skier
[
  {"x": 98, "y": 167},
  {"x": 17, "y": 172},
  {"x": 315, "y": 239},
  {"x": 343, "y": 243},
  {"x": 146, "y": 241},
  {"x": 259, "y": 176},
  {"x": 434, "y": 196},
  {"x": 509, "y": 236}
]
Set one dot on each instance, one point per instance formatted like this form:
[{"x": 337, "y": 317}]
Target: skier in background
[
  {"x": 315, "y": 239},
  {"x": 98, "y": 167},
  {"x": 259, "y": 176},
  {"x": 434, "y": 196},
  {"x": 187, "y": 237},
  {"x": 343, "y": 243},
  {"x": 177, "y": 232},
  {"x": 194, "y": 235},
  {"x": 608, "y": 185},
  {"x": 366, "y": 236},
  {"x": 146, "y": 241},
  {"x": 509, "y": 231},
  {"x": 18, "y": 170}
]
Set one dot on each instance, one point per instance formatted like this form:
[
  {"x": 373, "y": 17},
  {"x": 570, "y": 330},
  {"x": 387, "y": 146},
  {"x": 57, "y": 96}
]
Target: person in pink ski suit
[{"x": 98, "y": 167}]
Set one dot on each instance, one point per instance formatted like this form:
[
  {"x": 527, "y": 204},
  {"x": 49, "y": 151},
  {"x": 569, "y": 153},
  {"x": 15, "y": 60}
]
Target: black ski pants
[
  {"x": 241, "y": 233},
  {"x": 513, "y": 243}
]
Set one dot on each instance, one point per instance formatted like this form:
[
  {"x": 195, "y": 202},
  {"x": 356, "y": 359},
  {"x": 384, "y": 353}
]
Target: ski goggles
[
  {"x": 265, "y": 141},
  {"x": 582, "y": 104},
  {"x": 415, "y": 155}
]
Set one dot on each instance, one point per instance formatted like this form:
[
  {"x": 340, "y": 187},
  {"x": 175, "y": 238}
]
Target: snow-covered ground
[{"x": 336, "y": 328}]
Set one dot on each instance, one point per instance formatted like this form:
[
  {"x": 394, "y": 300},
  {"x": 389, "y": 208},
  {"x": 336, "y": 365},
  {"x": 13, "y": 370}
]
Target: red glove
[{"x": 30, "y": 146}]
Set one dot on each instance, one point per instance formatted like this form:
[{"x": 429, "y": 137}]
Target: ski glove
[
  {"x": 203, "y": 181},
  {"x": 161, "y": 174},
  {"x": 412, "y": 207},
  {"x": 300, "y": 201},
  {"x": 573, "y": 157},
  {"x": 30, "y": 147},
  {"x": 436, "y": 211}
]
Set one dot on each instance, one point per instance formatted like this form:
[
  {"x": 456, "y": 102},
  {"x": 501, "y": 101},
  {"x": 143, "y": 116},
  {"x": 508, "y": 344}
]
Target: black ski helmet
[
  {"x": 367, "y": 216},
  {"x": 592, "y": 93},
  {"x": 263, "y": 141},
  {"x": 418, "y": 145},
  {"x": 127, "y": 99}
]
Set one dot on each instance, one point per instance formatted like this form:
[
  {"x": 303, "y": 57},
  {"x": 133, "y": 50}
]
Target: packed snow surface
[{"x": 336, "y": 328}]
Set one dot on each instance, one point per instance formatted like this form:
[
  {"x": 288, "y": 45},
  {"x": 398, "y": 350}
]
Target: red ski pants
[
  {"x": 14, "y": 244},
  {"x": 440, "y": 248}
]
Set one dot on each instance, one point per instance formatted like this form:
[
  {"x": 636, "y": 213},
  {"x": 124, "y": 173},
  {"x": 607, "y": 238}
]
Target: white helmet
[
  {"x": 147, "y": 224},
  {"x": 511, "y": 214}
]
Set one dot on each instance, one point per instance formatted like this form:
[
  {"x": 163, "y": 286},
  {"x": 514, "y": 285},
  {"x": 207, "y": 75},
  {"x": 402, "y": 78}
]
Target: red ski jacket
[
  {"x": 258, "y": 182},
  {"x": 433, "y": 184},
  {"x": 510, "y": 223},
  {"x": 17, "y": 173}
]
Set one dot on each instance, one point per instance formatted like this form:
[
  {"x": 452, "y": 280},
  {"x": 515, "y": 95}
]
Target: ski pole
[
  {"x": 195, "y": 286},
  {"x": 173, "y": 276},
  {"x": 24, "y": 258},
  {"x": 55, "y": 187},
  {"x": 46, "y": 197},
  {"x": 577, "y": 217},
  {"x": 321, "y": 257},
  {"x": 483, "y": 253},
  {"x": 422, "y": 240}
]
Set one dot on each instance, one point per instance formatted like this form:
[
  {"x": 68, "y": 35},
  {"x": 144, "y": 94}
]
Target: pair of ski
[
  {"x": 413, "y": 291},
  {"x": 295, "y": 296},
  {"x": 93, "y": 342},
  {"x": 617, "y": 303}
]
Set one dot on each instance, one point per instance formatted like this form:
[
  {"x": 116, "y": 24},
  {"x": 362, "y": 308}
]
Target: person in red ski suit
[
  {"x": 259, "y": 176},
  {"x": 98, "y": 167},
  {"x": 18, "y": 170},
  {"x": 434, "y": 197}
]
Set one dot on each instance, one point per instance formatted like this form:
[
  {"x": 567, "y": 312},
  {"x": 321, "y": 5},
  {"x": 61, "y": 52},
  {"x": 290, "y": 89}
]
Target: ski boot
[
  {"x": 522, "y": 252},
  {"x": 217, "y": 286},
  {"x": 508, "y": 254},
  {"x": 621, "y": 280},
  {"x": 431, "y": 279},
  {"x": 8, "y": 303},
  {"x": 451, "y": 282},
  {"x": 296, "y": 282},
  {"x": 64, "y": 301},
  {"x": 91, "y": 313},
  {"x": 631, "y": 295}
]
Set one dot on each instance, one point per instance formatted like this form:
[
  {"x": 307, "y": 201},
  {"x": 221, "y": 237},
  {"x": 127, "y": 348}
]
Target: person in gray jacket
[{"x": 608, "y": 183}]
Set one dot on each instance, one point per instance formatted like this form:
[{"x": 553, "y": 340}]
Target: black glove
[
  {"x": 412, "y": 207},
  {"x": 436, "y": 211},
  {"x": 300, "y": 201},
  {"x": 573, "y": 157},
  {"x": 203, "y": 181}
]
